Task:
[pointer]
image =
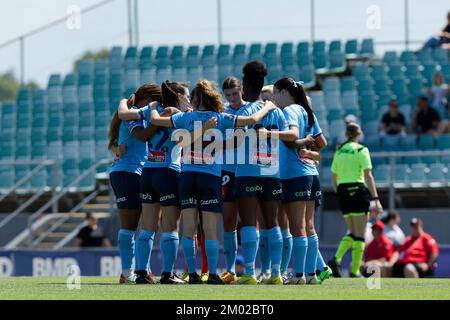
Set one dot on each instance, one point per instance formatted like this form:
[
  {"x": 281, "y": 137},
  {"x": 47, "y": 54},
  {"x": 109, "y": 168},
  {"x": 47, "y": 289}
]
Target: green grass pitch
[{"x": 100, "y": 288}]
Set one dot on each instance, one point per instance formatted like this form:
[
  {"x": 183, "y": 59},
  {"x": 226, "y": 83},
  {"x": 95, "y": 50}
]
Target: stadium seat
[
  {"x": 361, "y": 71},
  {"x": 408, "y": 142},
  {"x": 331, "y": 84},
  {"x": 443, "y": 142},
  {"x": 348, "y": 83},
  {"x": 413, "y": 71},
  {"x": 408, "y": 57},
  {"x": 367, "y": 48},
  {"x": 287, "y": 50},
  {"x": 390, "y": 57},
  {"x": 381, "y": 174},
  {"x": 378, "y": 71},
  {"x": 337, "y": 62},
  {"x": 445, "y": 69},
  {"x": 425, "y": 56},
  {"x": 396, "y": 71},
  {"x": 307, "y": 75},
  {"x": 350, "y": 101},
  {"x": 426, "y": 142},
  {"x": 351, "y": 49},
  {"x": 255, "y": 52},
  {"x": 440, "y": 55},
  {"x": 429, "y": 69},
  {"x": 391, "y": 142},
  {"x": 401, "y": 173},
  {"x": 417, "y": 175},
  {"x": 365, "y": 87},
  {"x": 437, "y": 175}
]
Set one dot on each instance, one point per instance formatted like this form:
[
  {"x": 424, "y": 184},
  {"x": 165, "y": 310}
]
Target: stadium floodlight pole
[
  {"x": 22, "y": 60},
  {"x": 130, "y": 23},
  {"x": 406, "y": 24},
  {"x": 219, "y": 21},
  {"x": 312, "y": 21},
  {"x": 136, "y": 22}
]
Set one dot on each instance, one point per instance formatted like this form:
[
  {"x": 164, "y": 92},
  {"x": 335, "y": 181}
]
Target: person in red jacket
[
  {"x": 416, "y": 257},
  {"x": 378, "y": 253}
]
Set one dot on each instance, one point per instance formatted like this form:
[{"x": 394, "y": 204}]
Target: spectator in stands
[
  {"x": 393, "y": 121},
  {"x": 392, "y": 229},
  {"x": 91, "y": 235},
  {"x": 426, "y": 119},
  {"x": 416, "y": 257},
  {"x": 438, "y": 92},
  {"x": 443, "y": 40},
  {"x": 267, "y": 93},
  {"x": 445, "y": 34},
  {"x": 378, "y": 252}
]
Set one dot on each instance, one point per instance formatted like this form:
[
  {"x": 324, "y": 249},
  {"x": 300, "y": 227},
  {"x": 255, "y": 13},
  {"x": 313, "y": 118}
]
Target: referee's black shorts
[{"x": 353, "y": 198}]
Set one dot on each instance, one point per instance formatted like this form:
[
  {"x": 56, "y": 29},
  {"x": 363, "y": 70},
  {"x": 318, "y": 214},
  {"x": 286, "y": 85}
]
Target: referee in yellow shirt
[{"x": 354, "y": 183}]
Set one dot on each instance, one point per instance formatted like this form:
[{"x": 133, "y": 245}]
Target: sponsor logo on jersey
[
  {"x": 167, "y": 197},
  {"x": 253, "y": 189},
  {"x": 145, "y": 196},
  {"x": 207, "y": 202}
]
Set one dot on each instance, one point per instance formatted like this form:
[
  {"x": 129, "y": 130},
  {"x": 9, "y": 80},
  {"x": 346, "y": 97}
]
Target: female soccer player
[
  {"x": 163, "y": 164},
  {"x": 352, "y": 167},
  {"x": 258, "y": 182},
  {"x": 232, "y": 90},
  {"x": 297, "y": 170},
  {"x": 200, "y": 182},
  {"x": 125, "y": 173}
]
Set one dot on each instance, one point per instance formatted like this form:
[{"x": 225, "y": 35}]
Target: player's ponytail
[
  {"x": 206, "y": 96},
  {"x": 148, "y": 91},
  {"x": 297, "y": 92},
  {"x": 170, "y": 91}
]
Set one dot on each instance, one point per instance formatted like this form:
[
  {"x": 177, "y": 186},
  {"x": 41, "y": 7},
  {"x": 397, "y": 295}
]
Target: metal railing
[
  {"x": 392, "y": 156},
  {"x": 59, "y": 195},
  {"x": 41, "y": 165}
]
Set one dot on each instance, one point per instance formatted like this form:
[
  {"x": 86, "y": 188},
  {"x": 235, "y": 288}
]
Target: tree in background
[
  {"x": 9, "y": 86},
  {"x": 90, "y": 55}
]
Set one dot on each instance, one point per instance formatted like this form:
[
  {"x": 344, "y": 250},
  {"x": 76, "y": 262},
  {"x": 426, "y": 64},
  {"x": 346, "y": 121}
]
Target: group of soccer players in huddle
[{"x": 271, "y": 182}]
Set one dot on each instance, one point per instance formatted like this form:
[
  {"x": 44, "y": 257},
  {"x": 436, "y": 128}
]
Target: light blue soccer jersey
[
  {"x": 261, "y": 159},
  {"x": 186, "y": 120},
  {"x": 230, "y": 153},
  {"x": 292, "y": 165},
  {"x": 162, "y": 150},
  {"x": 135, "y": 154}
]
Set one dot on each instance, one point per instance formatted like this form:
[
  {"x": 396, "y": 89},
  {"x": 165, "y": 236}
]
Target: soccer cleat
[
  {"x": 312, "y": 280},
  {"x": 335, "y": 266},
  {"x": 194, "y": 278},
  {"x": 127, "y": 280},
  {"x": 263, "y": 276},
  {"x": 228, "y": 277},
  {"x": 324, "y": 274},
  {"x": 204, "y": 277},
  {"x": 284, "y": 276},
  {"x": 185, "y": 276},
  {"x": 246, "y": 279},
  {"x": 292, "y": 280},
  {"x": 273, "y": 280},
  {"x": 148, "y": 279},
  {"x": 168, "y": 278},
  {"x": 214, "y": 279}
]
